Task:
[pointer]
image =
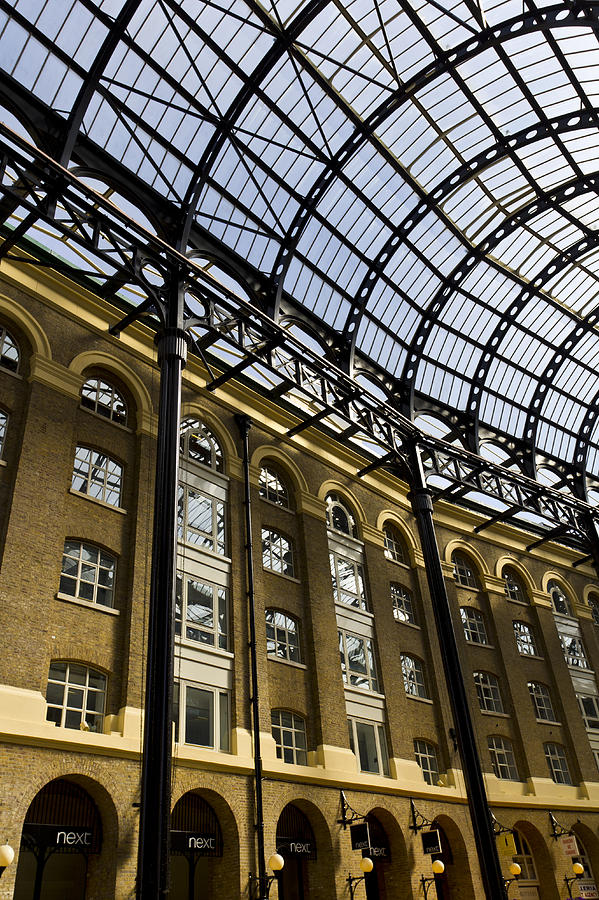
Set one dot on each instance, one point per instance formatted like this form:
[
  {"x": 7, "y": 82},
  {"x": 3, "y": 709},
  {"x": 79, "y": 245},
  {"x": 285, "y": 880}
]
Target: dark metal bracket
[
  {"x": 557, "y": 830},
  {"x": 346, "y": 820},
  {"x": 418, "y": 821}
]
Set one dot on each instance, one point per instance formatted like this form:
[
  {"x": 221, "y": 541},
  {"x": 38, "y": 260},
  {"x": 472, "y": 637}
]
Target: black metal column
[
  {"x": 480, "y": 814},
  {"x": 244, "y": 424},
  {"x": 153, "y": 863}
]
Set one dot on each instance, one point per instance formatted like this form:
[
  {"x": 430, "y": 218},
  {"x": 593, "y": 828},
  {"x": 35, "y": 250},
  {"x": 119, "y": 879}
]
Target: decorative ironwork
[
  {"x": 417, "y": 820},
  {"x": 346, "y": 820},
  {"x": 557, "y": 830}
]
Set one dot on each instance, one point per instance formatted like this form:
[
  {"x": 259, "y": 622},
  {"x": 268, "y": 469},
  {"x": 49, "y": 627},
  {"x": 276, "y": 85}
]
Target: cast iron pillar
[
  {"x": 480, "y": 813},
  {"x": 153, "y": 862}
]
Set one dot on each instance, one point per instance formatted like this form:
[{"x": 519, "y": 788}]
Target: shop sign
[
  {"x": 194, "y": 842},
  {"x": 431, "y": 841},
  {"x": 378, "y": 852},
  {"x": 586, "y": 890},
  {"x": 506, "y": 845},
  {"x": 360, "y": 836},
  {"x": 300, "y": 848},
  {"x": 77, "y": 838},
  {"x": 569, "y": 845}
]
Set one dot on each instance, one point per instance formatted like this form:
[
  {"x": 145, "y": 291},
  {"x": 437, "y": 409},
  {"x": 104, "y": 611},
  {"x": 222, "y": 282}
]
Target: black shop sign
[
  {"x": 68, "y": 838},
  {"x": 200, "y": 844},
  {"x": 431, "y": 842}
]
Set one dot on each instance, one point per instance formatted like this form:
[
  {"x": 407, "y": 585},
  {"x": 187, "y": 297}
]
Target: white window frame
[
  {"x": 273, "y": 488},
  {"x": 473, "y": 623},
  {"x": 573, "y": 650},
  {"x": 503, "y": 761},
  {"x": 366, "y": 680},
  {"x": 277, "y": 552},
  {"x": 191, "y": 534},
  {"x": 589, "y": 709},
  {"x": 338, "y": 512},
  {"x": 541, "y": 701},
  {"x": 220, "y": 715},
  {"x": 403, "y": 604},
  {"x": 488, "y": 692},
  {"x": 199, "y": 446},
  {"x": 101, "y": 397},
  {"x": 355, "y": 597},
  {"x": 395, "y": 548},
  {"x": 88, "y": 709},
  {"x": 365, "y": 736},
  {"x": 557, "y": 763},
  {"x": 3, "y": 430},
  {"x": 98, "y": 475},
  {"x": 513, "y": 586},
  {"x": 525, "y": 860},
  {"x": 282, "y": 633},
  {"x": 102, "y": 570},
  {"x": 427, "y": 758},
  {"x": 213, "y": 634},
  {"x": 289, "y": 736},
  {"x": 414, "y": 677},
  {"x": 464, "y": 573},
  {"x": 10, "y": 355},
  {"x": 525, "y": 638},
  {"x": 559, "y": 600}
]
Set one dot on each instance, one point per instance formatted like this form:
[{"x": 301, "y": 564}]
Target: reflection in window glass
[
  {"x": 403, "y": 607},
  {"x": 198, "y": 444},
  {"x": 513, "y": 586},
  {"x": 9, "y": 351},
  {"x": 201, "y": 519},
  {"x": 559, "y": 601},
  {"x": 573, "y": 650},
  {"x": 426, "y": 757},
  {"x": 371, "y": 741},
  {"x": 203, "y": 608},
  {"x": 282, "y": 636},
  {"x": 394, "y": 544},
  {"x": 104, "y": 399},
  {"x": 541, "y": 701},
  {"x": 488, "y": 693},
  {"x": 3, "y": 427},
  {"x": 348, "y": 581},
  {"x": 463, "y": 571},
  {"x": 413, "y": 676},
  {"x": 357, "y": 661},
  {"x": 525, "y": 639},
  {"x": 589, "y": 707},
  {"x": 87, "y": 573},
  {"x": 555, "y": 755},
  {"x": 593, "y": 602},
  {"x": 272, "y": 488},
  {"x": 277, "y": 552},
  {"x": 206, "y": 720},
  {"x": 474, "y": 625},
  {"x": 502, "y": 758},
  {"x": 98, "y": 475}
]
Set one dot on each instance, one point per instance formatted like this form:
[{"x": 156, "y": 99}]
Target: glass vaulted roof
[{"x": 414, "y": 181}]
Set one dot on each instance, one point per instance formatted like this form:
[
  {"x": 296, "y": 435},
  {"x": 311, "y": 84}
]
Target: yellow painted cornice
[
  {"x": 540, "y": 598},
  {"x": 372, "y": 535},
  {"x": 310, "y": 505},
  {"x": 492, "y": 584}
]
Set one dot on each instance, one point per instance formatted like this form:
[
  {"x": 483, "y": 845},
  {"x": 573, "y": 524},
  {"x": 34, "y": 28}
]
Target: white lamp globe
[
  {"x": 7, "y": 854},
  {"x": 577, "y": 868},
  {"x": 276, "y": 862},
  {"x": 515, "y": 869},
  {"x": 438, "y": 867},
  {"x": 366, "y": 864}
]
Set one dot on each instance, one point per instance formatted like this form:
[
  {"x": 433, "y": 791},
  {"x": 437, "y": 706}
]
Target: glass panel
[
  {"x": 199, "y": 716},
  {"x": 367, "y": 747}
]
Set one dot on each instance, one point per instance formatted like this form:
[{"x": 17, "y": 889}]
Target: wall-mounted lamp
[
  {"x": 515, "y": 872},
  {"x": 577, "y": 869},
  {"x": 7, "y": 854},
  {"x": 367, "y": 865},
  {"x": 438, "y": 868},
  {"x": 275, "y": 864}
]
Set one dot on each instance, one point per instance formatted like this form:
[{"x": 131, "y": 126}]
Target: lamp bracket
[
  {"x": 498, "y": 828},
  {"x": 557, "y": 830},
  {"x": 418, "y": 820},
  {"x": 346, "y": 820}
]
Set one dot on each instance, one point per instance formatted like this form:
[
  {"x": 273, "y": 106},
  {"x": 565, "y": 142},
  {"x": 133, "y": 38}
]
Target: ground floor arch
[
  {"x": 456, "y": 881},
  {"x": 62, "y": 839},
  {"x": 303, "y": 840}
]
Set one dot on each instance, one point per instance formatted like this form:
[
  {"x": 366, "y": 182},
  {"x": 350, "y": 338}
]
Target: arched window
[
  {"x": 503, "y": 762},
  {"x": 199, "y": 445},
  {"x": 464, "y": 573},
  {"x": 583, "y": 859},
  {"x": 9, "y": 351},
  {"x": 414, "y": 680},
  {"x": 427, "y": 758},
  {"x": 559, "y": 601},
  {"x": 339, "y": 516},
  {"x": 98, "y": 475},
  {"x": 87, "y": 573},
  {"x": 75, "y": 696},
  {"x": 514, "y": 588},
  {"x": 272, "y": 487},
  {"x": 282, "y": 636},
  {"x": 395, "y": 547},
  {"x": 277, "y": 552},
  {"x": 488, "y": 693},
  {"x": 593, "y": 602},
  {"x": 525, "y": 859},
  {"x": 555, "y": 754},
  {"x": 3, "y": 428},
  {"x": 289, "y": 732},
  {"x": 541, "y": 701},
  {"x": 403, "y": 605},
  {"x": 103, "y": 398},
  {"x": 474, "y": 625}
]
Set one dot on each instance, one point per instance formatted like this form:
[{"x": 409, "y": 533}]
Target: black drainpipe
[{"x": 244, "y": 423}]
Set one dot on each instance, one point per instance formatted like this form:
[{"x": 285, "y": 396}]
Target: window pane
[
  {"x": 367, "y": 747},
  {"x": 199, "y": 715}
]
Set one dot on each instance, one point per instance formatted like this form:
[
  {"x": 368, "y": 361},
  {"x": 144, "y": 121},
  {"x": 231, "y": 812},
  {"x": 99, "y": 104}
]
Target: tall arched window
[
  {"x": 559, "y": 601},
  {"x": 272, "y": 487},
  {"x": 464, "y": 572},
  {"x": 395, "y": 547},
  {"x": 9, "y": 351},
  {"x": 541, "y": 701},
  {"x": 201, "y": 496},
  {"x": 101, "y": 397},
  {"x": 339, "y": 516},
  {"x": 199, "y": 445},
  {"x": 414, "y": 679},
  {"x": 525, "y": 860},
  {"x": 513, "y": 586}
]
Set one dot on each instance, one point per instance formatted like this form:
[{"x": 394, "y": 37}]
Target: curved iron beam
[{"x": 456, "y": 179}]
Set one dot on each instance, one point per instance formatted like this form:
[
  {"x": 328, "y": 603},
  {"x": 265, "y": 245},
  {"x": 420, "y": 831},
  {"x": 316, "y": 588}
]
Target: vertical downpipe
[{"x": 244, "y": 423}]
